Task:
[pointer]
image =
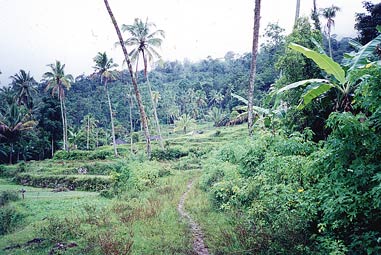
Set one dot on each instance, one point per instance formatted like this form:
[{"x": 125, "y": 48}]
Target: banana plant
[{"x": 339, "y": 79}]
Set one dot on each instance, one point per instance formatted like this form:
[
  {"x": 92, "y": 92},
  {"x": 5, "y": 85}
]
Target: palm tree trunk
[
  {"x": 257, "y": 17},
  {"x": 63, "y": 123},
  {"x": 154, "y": 110},
  {"x": 88, "y": 132},
  {"x": 143, "y": 115},
  {"x": 112, "y": 120},
  {"x": 131, "y": 121},
  {"x": 297, "y": 12},
  {"x": 329, "y": 42},
  {"x": 97, "y": 139}
]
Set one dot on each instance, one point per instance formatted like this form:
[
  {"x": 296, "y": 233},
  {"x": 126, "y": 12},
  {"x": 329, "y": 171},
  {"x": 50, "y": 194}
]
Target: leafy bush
[
  {"x": 82, "y": 155},
  {"x": 143, "y": 175},
  {"x": 100, "y": 154},
  {"x": 72, "y": 155},
  {"x": 103, "y": 168},
  {"x": 10, "y": 217},
  {"x": 120, "y": 179},
  {"x": 135, "y": 137},
  {"x": 61, "y": 229},
  {"x": 7, "y": 196},
  {"x": 169, "y": 153}
]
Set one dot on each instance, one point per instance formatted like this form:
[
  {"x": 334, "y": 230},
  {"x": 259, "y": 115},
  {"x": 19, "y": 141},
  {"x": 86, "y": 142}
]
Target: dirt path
[{"x": 198, "y": 236}]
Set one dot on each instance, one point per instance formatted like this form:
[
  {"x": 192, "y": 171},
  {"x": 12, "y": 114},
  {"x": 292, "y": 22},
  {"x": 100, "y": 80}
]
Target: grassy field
[{"x": 139, "y": 218}]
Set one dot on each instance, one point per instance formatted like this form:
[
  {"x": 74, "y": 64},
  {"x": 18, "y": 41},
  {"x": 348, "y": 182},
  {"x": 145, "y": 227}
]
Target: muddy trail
[{"x": 198, "y": 237}]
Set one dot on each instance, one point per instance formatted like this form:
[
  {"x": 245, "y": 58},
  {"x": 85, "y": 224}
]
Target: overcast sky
[{"x": 35, "y": 33}]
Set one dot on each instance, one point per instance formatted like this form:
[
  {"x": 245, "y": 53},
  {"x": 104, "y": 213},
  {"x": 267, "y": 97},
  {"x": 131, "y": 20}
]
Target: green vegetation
[{"x": 307, "y": 180}]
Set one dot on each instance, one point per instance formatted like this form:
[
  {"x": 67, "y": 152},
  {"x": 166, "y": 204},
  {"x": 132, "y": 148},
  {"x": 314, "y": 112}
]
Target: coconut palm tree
[
  {"x": 58, "y": 81},
  {"x": 103, "y": 66},
  {"x": 143, "y": 115},
  {"x": 23, "y": 85},
  {"x": 257, "y": 16},
  {"x": 144, "y": 41},
  {"x": 13, "y": 120},
  {"x": 329, "y": 13},
  {"x": 184, "y": 122}
]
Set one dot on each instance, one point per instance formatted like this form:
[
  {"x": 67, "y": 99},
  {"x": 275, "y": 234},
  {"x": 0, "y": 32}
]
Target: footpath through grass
[{"x": 140, "y": 218}]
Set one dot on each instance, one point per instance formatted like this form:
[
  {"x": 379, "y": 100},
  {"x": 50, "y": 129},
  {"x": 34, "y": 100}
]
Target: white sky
[{"x": 35, "y": 33}]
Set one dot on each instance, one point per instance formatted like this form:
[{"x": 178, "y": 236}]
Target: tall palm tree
[
  {"x": 143, "y": 115},
  {"x": 144, "y": 41},
  {"x": 58, "y": 81},
  {"x": 329, "y": 13},
  {"x": 103, "y": 66},
  {"x": 23, "y": 85},
  {"x": 257, "y": 16}
]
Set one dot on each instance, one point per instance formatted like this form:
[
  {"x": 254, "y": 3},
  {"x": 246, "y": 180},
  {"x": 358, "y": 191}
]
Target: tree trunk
[
  {"x": 315, "y": 16},
  {"x": 131, "y": 121},
  {"x": 112, "y": 120},
  {"x": 97, "y": 139},
  {"x": 154, "y": 111},
  {"x": 143, "y": 115},
  {"x": 65, "y": 126},
  {"x": 88, "y": 132},
  {"x": 297, "y": 12},
  {"x": 329, "y": 42},
  {"x": 257, "y": 17},
  {"x": 63, "y": 123}
]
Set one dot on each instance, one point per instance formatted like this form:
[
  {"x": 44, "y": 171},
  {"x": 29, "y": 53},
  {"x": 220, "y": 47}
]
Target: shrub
[
  {"x": 10, "y": 217},
  {"x": 7, "y": 196},
  {"x": 82, "y": 155},
  {"x": 168, "y": 153},
  {"x": 60, "y": 229},
  {"x": 100, "y": 154},
  {"x": 103, "y": 168},
  {"x": 199, "y": 151},
  {"x": 143, "y": 175},
  {"x": 135, "y": 137}
]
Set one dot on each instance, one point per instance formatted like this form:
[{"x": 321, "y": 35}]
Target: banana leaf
[
  {"x": 313, "y": 92},
  {"x": 323, "y": 61},
  {"x": 301, "y": 83},
  {"x": 361, "y": 58}
]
